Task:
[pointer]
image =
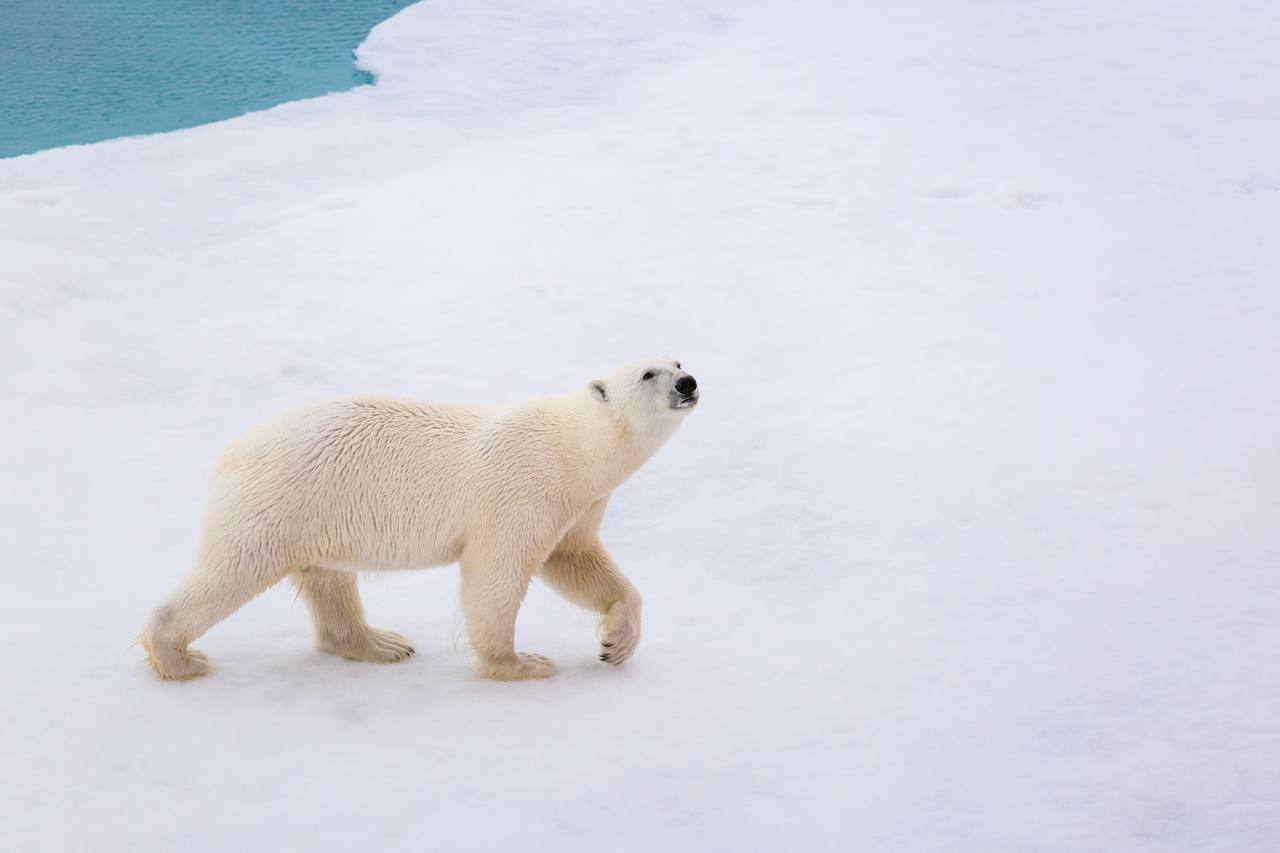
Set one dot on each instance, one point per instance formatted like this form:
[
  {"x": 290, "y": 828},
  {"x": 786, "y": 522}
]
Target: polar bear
[{"x": 330, "y": 489}]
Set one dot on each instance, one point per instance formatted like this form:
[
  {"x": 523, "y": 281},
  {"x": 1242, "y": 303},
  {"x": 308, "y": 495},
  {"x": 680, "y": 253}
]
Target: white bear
[{"x": 330, "y": 489}]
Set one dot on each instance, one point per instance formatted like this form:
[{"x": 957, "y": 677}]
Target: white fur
[{"x": 377, "y": 484}]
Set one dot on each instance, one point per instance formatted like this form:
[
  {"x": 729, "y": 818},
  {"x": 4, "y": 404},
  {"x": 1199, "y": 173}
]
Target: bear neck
[{"x": 608, "y": 447}]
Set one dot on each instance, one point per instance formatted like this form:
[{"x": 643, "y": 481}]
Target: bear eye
[
  {"x": 678, "y": 367},
  {"x": 648, "y": 374}
]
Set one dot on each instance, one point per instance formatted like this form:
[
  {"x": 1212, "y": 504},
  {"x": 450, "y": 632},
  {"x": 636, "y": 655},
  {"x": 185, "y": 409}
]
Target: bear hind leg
[
  {"x": 338, "y": 615},
  {"x": 209, "y": 594}
]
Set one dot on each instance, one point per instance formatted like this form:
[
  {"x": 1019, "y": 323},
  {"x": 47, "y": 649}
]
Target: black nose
[{"x": 686, "y": 385}]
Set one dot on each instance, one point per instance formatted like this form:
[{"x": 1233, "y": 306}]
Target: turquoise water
[{"x": 85, "y": 70}]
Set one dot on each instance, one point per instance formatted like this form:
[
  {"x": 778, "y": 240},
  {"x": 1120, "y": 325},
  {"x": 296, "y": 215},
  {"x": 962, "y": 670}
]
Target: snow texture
[{"x": 971, "y": 546}]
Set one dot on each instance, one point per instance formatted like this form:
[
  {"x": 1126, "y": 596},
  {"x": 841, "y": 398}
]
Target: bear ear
[{"x": 598, "y": 390}]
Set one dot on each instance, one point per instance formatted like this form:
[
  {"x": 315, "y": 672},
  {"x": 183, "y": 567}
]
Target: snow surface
[{"x": 971, "y": 546}]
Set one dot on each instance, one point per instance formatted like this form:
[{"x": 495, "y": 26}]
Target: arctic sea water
[{"x": 78, "y": 71}]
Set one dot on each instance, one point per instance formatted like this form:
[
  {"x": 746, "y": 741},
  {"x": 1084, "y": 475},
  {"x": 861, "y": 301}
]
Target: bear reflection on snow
[{"x": 375, "y": 483}]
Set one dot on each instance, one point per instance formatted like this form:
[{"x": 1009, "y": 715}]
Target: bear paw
[
  {"x": 178, "y": 664},
  {"x": 523, "y": 665},
  {"x": 374, "y": 646},
  {"x": 619, "y": 633}
]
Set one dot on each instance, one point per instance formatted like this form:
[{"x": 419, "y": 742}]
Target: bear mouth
[{"x": 685, "y": 402}]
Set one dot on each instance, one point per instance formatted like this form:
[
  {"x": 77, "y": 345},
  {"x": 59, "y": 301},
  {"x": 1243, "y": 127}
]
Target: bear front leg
[
  {"x": 582, "y": 571},
  {"x": 491, "y": 597}
]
